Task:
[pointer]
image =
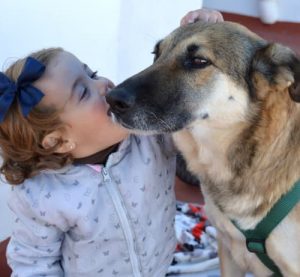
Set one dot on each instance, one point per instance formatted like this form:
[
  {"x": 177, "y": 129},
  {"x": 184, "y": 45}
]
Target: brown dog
[{"x": 230, "y": 98}]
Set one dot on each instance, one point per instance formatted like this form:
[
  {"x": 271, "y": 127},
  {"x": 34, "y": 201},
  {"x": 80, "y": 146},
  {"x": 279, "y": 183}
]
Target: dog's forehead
[
  {"x": 214, "y": 35},
  {"x": 229, "y": 46}
]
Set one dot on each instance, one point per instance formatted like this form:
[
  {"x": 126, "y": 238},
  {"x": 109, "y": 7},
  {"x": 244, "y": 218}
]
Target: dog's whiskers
[{"x": 168, "y": 127}]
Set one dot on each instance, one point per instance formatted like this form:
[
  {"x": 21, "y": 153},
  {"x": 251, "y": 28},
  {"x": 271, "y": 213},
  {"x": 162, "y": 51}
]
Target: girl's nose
[{"x": 104, "y": 85}]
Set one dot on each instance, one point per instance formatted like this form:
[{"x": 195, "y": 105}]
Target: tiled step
[{"x": 286, "y": 33}]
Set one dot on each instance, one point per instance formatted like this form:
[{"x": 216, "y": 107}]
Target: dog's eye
[{"x": 196, "y": 62}]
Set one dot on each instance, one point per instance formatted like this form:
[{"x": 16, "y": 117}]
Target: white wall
[
  {"x": 85, "y": 27},
  {"x": 142, "y": 24},
  {"x": 114, "y": 37}
]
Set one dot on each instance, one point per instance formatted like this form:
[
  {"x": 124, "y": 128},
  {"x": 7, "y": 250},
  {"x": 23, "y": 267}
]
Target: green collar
[{"x": 255, "y": 238}]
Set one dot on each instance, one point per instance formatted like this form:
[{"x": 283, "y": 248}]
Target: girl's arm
[{"x": 35, "y": 245}]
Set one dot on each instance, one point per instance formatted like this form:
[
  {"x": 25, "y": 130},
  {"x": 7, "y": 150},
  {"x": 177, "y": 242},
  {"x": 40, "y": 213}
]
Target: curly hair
[{"x": 21, "y": 137}]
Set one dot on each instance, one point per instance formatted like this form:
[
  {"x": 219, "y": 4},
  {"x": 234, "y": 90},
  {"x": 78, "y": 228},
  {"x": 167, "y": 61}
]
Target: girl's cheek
[
  {"x": 99, "y": 104},
  {"x": 99, "y": 110}
]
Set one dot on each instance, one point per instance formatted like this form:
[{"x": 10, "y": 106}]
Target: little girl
[{"x": 89, "y": 198}]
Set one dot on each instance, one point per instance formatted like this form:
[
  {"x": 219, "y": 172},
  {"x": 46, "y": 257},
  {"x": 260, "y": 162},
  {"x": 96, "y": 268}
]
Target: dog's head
[{"x": 204, "y": 72}]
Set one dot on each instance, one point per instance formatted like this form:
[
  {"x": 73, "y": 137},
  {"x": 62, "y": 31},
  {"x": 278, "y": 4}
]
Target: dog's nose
[{"x": 120, "y": 100}]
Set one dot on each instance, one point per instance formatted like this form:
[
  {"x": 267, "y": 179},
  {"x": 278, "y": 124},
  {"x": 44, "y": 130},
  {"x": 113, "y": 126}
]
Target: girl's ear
[{"x": 55, "y": 138}]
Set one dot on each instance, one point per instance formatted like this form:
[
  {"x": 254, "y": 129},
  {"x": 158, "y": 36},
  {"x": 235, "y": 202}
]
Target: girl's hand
[{"x": 205, "y": 15}]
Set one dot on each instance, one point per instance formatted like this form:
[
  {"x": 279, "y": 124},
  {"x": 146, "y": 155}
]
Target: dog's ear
[{"x": 275, "y": 67}]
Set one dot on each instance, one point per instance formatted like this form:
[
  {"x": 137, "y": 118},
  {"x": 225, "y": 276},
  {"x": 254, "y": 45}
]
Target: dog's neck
[
  {"x": 238, "y": 165},
  {"x": 212, "y": 147}
]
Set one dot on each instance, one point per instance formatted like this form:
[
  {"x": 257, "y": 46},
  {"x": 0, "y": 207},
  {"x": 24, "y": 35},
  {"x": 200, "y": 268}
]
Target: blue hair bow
[{"x": 27, "y": 95}]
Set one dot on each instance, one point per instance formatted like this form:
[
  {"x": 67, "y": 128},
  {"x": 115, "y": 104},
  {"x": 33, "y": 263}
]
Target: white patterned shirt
[{"x": 114, "y": 220}]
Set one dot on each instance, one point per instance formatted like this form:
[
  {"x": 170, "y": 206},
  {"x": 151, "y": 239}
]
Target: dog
[{"x": 231, "y": 101}]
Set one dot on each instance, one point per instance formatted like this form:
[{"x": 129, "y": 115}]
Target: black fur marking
[
  {"x": 192, "y": 48},
  {"x": 156, "y": 50},
  {"x": 294, "y": 90},
  {"x": 205, "y": 116}
]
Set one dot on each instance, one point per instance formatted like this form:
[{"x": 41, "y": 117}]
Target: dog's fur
[{"x": 231, "y": 99}]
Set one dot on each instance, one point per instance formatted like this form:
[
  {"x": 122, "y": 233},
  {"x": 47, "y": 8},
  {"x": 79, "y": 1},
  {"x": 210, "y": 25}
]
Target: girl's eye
[
  {"x": 84, "y": 94},
  {"x": 94, "y": 75}
]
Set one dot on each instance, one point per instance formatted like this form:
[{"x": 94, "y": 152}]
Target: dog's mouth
[
  {"x": 118, "y": 120},
  {"x": 146, "y": 121}
]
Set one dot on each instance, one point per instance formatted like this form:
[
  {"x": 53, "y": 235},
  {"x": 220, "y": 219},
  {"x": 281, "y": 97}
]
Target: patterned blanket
[{"x": 197, "y": 243}]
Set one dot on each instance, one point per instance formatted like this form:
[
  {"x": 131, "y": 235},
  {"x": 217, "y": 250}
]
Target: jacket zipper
[{"x": 116, "y": 198}]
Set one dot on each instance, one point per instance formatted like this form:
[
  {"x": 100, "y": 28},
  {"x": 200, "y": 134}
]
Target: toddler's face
[{"x": 71, "y": 86}]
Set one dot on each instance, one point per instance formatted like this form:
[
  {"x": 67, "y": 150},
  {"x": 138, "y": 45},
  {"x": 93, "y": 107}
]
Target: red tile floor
[{"x": 285, "y": 33}]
